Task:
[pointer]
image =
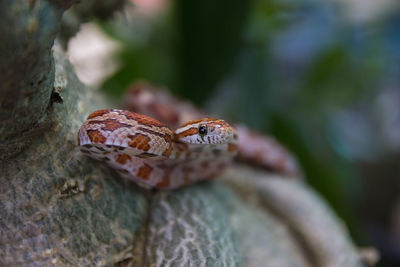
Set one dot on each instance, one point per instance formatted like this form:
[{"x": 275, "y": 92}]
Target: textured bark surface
[
  {"x": 26, "y": 69},
  {"x": 59, "y": 208}
]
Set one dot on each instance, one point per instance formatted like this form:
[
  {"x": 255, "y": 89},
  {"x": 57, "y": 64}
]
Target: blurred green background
[{"x": 322, "y": 77}]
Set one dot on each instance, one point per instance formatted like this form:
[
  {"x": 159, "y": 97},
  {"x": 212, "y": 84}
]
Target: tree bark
[{"x": 59, "y": 208}]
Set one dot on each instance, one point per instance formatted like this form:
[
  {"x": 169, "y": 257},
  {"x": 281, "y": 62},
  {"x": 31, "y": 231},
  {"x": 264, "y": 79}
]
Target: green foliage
[
  {"x": 335, "y": 78},
  {"x": 209, "y": 37},
  {"x": 147, "y": 53}
]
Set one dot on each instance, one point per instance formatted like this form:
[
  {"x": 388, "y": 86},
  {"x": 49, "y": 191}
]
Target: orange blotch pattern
[
  {"x": 144, "y": 172},
  {"x": 98, "y": 113},
  {"x": 141, "y": 119},
  {"x": 96, "y": 137},
  {"x": 167, "y": 151},
  {"x": 123, "y": 158},
  {"x": 140, "y": 141},
  {"x": 165, "y": 182},
  {"x": 111, "y": 125}
]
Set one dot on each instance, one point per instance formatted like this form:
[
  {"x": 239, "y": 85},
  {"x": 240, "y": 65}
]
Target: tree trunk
[{"x": 59, "y": 208}]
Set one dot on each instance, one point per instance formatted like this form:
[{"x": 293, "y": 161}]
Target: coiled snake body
[
  {"x": 148, "y": 152},
  {"x": 151, "y": 154}
]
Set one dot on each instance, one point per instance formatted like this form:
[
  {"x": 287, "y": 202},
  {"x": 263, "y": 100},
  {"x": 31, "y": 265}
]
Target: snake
[
  {"x": 151, "y": 154},
  {"x": 255, "y": 149}
]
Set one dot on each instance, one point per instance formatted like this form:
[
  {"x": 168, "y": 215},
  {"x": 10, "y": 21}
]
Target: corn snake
[{"x": 148, "y": 152}]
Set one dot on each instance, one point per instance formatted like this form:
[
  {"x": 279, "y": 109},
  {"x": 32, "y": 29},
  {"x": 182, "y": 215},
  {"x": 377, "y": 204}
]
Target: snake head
[{"x": 206, "y": 131}]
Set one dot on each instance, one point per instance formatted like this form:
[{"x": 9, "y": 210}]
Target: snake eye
[{"x": 202, "y": 130}]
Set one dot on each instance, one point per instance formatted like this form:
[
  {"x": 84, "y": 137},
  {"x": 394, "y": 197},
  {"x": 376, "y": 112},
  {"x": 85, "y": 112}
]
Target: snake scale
[{"x": 150, "y": 153}]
